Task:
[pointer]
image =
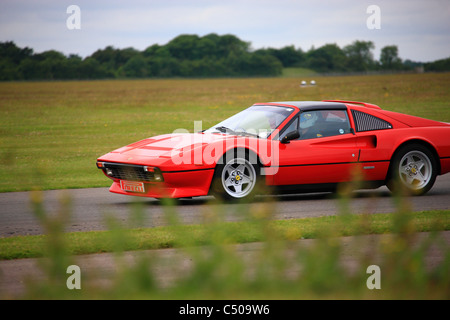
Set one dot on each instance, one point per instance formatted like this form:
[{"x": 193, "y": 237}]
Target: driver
[{"x": 307, "y": 121}]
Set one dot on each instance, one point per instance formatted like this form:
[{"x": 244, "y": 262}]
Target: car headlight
[{"x": 157, "y": 175}]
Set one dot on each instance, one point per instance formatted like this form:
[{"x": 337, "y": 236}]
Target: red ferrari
[{"x": 291, "y": 146}]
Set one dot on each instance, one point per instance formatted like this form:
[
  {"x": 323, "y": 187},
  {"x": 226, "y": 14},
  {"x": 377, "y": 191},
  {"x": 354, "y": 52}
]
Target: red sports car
[{"x": 291, "y": 146}]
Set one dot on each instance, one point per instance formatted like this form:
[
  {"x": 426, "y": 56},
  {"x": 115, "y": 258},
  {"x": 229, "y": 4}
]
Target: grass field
[{"x": 52, "y": 132}]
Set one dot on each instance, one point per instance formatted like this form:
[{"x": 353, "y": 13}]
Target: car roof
[{"x": 309, "y": 105}]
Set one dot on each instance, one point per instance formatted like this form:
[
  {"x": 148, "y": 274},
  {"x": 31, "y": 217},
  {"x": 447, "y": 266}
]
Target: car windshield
[{"x": 258, "y": 121}]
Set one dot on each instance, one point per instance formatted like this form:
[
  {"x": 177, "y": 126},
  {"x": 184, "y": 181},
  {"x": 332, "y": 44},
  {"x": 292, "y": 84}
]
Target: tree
[
  {"x": 184, "y": 47},
  {"x": 8, "y": 70},
  {"x": 105, "y": 57},
  {"x": 389, "y": 58},
  {"x": 328, "y": 58},
  {"x": 190, "y": 55},
  {"x": 73, "y": 65},
  {"x": 9, "y": 51},
  {"x": 136, "y": 67},
  {"x": 438, "y": 65},
  {"x": 50, "y": 64},
  {"x": 288, "y": 56},
  {"x": 231, "y": 44},
  {"x": 359, "y": 55},
  {"x": 91, "y": 69},
  {"x": 112, "y": 59}
]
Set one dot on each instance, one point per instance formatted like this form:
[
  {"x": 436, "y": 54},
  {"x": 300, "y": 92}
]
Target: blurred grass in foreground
[
  {"x": 210, "y": 261},
  {"x": 247, "y": 231}
]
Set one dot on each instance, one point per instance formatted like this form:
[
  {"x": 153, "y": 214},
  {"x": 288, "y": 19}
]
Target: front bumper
[{"x": 177, "y": 184}]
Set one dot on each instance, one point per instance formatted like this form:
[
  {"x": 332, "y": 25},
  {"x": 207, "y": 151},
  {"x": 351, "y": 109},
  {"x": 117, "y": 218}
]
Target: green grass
[
  {"x": 228, "y": 233},
  {"x": 51, "y": 133}
]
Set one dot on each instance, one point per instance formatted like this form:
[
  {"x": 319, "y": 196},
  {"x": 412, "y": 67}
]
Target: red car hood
[
  {"x": 165, "y": 146},
  {"x": 183, "y": 151}
]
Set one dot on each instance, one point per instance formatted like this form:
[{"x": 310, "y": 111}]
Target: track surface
[{"x": 90, "y": 208}]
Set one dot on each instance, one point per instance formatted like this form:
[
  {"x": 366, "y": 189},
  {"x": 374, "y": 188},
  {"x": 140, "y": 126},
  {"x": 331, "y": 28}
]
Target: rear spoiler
[{"x": 365, "y": 104}]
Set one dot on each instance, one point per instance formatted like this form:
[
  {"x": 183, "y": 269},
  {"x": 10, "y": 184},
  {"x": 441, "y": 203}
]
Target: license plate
[{"x": 132, "y": 186}]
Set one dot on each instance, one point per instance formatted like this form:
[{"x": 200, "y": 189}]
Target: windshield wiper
[
  {"x": 231, "y": 131},
  {"x": 225, "y": 130},
  {"x": 245, "y": 133}
]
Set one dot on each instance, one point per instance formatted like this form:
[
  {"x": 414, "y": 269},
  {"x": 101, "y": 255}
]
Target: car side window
[
  {"x": 323, "y": 123},
  {"x": 367, "y": 122}
]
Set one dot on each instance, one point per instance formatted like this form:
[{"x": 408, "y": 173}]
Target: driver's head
[{"x": 307, "y": 119}]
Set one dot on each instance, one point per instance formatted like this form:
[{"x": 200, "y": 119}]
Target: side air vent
[{"x": 367, "y": 122}]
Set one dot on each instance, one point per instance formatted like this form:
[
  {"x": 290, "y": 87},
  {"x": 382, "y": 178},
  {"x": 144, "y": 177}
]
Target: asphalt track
[{"x": 91, "y": 209}]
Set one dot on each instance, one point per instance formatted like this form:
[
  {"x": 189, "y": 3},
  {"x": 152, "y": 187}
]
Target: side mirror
[{"x": 290, "y": 136}]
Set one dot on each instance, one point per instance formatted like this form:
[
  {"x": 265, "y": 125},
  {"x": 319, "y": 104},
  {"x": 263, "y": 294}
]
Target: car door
[
  {"x": 374, "y": 141},
  {"x": 325, "y": 153}
]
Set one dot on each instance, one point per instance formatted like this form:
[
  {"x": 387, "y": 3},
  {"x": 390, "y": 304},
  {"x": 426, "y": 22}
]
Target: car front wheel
[{"x": 236, "y": 179}]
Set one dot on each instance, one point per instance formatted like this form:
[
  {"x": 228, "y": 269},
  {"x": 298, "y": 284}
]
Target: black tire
[
  {"x": 236, "y": 177},
  {"x": 413, "y": 169}
]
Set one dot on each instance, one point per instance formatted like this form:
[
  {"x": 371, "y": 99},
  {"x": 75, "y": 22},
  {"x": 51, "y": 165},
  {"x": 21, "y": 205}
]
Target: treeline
[{"x": 193, "y": 56}]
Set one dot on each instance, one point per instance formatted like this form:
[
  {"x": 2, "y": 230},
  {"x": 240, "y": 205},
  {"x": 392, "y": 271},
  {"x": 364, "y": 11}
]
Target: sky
[{"x": 419, "y": 28}]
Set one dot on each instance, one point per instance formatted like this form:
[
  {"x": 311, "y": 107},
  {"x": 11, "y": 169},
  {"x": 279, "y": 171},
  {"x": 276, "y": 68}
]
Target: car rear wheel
[
  {"x": 236, "y": 179},
  {"x": 414, "y": 168}
]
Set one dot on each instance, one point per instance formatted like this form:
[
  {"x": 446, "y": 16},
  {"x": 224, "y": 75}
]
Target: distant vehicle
[{"x": 294, "y": 146}]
